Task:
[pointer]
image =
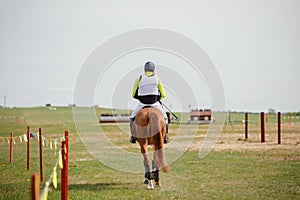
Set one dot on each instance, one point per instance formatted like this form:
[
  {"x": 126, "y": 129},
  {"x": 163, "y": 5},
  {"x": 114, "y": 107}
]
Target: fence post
[
  {"x": 10, "y": 147},
  {"x": 64, "y": 172},
  {"x": 28, "y": 148},
  {"x": 279, "y": 128},
  {"x": 35, "y": 187},
  {"x": 262, "y": 126},
  {"x": 246, "y": 126},
  {"x": 67, "y": 163},
  {"x": 64, "y": 187},
  {"x": 41, "y": 154}
]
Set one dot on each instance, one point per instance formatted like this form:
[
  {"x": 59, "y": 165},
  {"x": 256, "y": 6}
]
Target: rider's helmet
[{"x": 149, "y": 66}]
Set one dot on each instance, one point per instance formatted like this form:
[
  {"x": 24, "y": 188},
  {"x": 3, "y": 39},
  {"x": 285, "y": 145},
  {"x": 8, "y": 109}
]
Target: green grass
[{"x": 227, "y": 174}]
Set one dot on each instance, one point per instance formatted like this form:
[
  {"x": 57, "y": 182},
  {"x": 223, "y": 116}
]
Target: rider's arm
[
  {"x": 135, "y": 87},
  {"x": 161, "y": 89}
]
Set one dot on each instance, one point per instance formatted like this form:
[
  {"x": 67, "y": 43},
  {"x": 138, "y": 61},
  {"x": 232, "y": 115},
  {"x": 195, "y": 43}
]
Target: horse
[{"x": 149, "y": 129}]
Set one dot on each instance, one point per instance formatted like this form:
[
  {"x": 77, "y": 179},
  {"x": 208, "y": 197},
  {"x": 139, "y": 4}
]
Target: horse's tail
[{"x": 157, "y": 127}]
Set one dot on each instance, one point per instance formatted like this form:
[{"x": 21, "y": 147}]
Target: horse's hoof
[{"x": 150, "y": 185}]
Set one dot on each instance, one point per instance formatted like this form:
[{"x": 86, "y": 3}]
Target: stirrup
[{"x": 166, "y": 139}]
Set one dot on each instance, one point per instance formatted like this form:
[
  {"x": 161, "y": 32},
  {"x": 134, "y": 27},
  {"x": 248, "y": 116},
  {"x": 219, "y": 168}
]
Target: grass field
[{"x": 235, "y": 169}]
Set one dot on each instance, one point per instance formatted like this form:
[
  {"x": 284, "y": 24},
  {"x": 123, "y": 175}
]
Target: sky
[{"x": 254, "y": 45}]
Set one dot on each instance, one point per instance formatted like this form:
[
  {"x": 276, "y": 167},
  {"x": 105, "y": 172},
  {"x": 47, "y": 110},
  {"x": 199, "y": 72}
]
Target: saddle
[{"x": 142, "y": 109}]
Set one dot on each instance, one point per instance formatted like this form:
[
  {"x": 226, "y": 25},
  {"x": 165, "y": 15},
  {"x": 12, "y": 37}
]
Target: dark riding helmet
[{"x": 149, "y": 66}]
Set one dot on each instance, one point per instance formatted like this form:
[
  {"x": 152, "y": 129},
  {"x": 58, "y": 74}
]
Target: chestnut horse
[{"x": 149, "y": 129}]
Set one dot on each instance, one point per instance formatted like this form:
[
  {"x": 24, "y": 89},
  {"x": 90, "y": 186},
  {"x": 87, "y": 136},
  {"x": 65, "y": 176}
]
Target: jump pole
[
  {"x": 246, "y": 126},
  {"x": 262, "y": 126},
  {"x": 10, "y": 148},
  {"x": 28, "y": 148},
  {"x": 279, "y": 128},
  {"x": 41, "y": 154}
]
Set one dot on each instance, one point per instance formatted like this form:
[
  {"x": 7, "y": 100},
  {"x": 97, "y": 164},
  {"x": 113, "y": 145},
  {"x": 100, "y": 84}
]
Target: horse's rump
[
  {"x": 148, "y": 124},
  {"x": 149, "y": 128}
]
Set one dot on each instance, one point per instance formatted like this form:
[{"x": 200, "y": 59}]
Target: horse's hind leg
[
  {"x": 149, "y": 180},
  {"x": 155, "y": 173},
  {"x": 148, "y": 175}
]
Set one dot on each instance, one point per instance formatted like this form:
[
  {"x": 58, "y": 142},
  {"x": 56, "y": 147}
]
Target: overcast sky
[{"x": 254, "y": 44}]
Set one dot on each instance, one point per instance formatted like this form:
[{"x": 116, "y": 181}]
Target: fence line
[
  {"x": 262, "y": 126},
  {"x": 43, "y": 142},
  {"x": 24, "y": 138},
  {"x": 52, "y": 179},
  {"x": 62, "y": 161}
]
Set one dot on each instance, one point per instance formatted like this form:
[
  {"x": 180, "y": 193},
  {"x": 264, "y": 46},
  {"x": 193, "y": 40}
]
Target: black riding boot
[
  {"x": 132, "y": 139},
  {"x": 166, "y": 138}
]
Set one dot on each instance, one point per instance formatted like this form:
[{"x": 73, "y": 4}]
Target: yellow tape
[
  {"x": 25, "y": 138},
  {"x": 45, "y": 196},
  {"x": 54, "y": 179},
  {"x": 60, "y": 162}
]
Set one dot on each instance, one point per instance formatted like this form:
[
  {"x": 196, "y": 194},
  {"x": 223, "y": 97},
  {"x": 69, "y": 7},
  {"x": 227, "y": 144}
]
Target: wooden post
[
  {"x": 64, "y": 171},
  {"x": 41, "y": 154},
  {"x": 67, "y": 163},
  {"x": 35, "y": 187},
  {"x": 28, "y": 148},
  {"x": 62, "y": 189},
  {"x": 279, "y": 128},
  {"x": 10, "y": 148},
  {"x": 262, "y": 126},
  {"x": 246, "y": 126},
  {"x": 64, "y": 174}
]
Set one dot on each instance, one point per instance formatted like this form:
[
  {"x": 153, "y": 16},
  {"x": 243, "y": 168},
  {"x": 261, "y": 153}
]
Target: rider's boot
[
  {"x": 132, "y": 138},
  {"x": 166, "y": 138}
]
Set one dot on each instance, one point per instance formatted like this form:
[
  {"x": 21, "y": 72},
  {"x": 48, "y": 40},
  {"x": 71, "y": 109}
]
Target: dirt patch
[{"x": 234, "y": 140}]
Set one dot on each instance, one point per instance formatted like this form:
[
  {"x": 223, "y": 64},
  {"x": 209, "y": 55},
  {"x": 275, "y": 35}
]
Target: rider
[{"x": 149, "y": 90}]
